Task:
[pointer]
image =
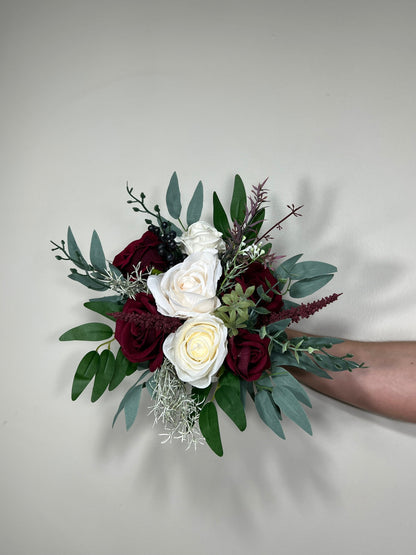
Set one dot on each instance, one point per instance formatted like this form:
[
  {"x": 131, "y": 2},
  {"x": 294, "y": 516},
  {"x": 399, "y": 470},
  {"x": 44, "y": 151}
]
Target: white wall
[{"x": 320, "y": 97}]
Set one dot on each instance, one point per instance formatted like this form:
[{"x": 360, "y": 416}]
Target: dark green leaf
[
  {"x": 208, "y": 423},
  {"x": 238, "y": 201},
  {"x": 104, "y": 374},
  {"x": 74, "y": 251},
  {"x": 290, "y": 406},
  {"x": 220, "y": 217},
  {"x": 173, "y": 197},
  {"x": 104, "y": 307},
  {"x": 228, "y": 398},
  {"x": 305, "y": 287},
  {"x": 201, "y": 394},
  {"x": 109, "y": 299},
  {"x": 311, "y": 269},
  {"x": 195, "y": 206},
  {"x": 230, "y": 380},
  {"x": 97, "y": 256},
  {"x": 85, "y": 372},
  {"x": 268, "y": 412},
  {"x": 88, "y": 282},
  {"x": 123, "y": 368},
  {"x": 255, "y": 224},
  {"x": 94, "y": 331}
]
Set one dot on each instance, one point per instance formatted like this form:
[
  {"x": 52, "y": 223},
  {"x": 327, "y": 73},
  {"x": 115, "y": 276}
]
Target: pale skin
[{"x": 387, "y": 385}]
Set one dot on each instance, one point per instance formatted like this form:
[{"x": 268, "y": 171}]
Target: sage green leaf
[
  {"x": 195, "y": 206},
  {"x": 85, "y": 372},
  {"x": 290, "y": 406},
  {"x": 278, "y": 326},
  {"x": 305, "y": 287},
  {"x": 310, "y": 269},
  {"x": 284, "y": 269},
  {"x": 283, "y": 378},
  {"x": 268, "y": 412},
  {"x": 104, "y": 374},
  {"x": 94, "y": 331},
  {"x": 97, "y": 256},
  {"x": 238, "y": 201},
  {"x": 150, "y": 385},
  {"x": 208, "y": 424},
  {"x": 220, "y": 217},
  {"x": 173, "y": 197},
  {"x": 306, "y": 363},
  {"x": 229, "y": 400},
  {"x": 123, "y": 368},
  {"x": 130, "y": 405},
  {"x": 88, "y": 282},
  {"x": 75, "y": 252},
  {"x": 104, "y": 307}
]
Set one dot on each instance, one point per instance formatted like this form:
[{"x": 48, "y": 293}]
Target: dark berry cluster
[{"x": 168, "y": 247}]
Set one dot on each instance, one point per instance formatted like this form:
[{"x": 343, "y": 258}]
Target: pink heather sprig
[
  {"x": 302, "y": 311},
  {"x": 145, "y": 320}
]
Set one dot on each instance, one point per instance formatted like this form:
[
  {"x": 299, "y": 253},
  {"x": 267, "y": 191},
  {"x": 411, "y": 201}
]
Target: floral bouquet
[{"x": 201, "y": 313}]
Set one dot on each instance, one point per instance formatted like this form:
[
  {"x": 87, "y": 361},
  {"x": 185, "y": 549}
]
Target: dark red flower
[
  {"x": 143, "y": 250},
  {"x": 140, "y": 338},
  {"x": 256, "y": 274},
  {"x": 248, "y": 355}
]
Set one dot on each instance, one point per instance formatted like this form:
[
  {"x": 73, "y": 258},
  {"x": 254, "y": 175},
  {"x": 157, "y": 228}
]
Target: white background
[{"x": 320, "y": 97}]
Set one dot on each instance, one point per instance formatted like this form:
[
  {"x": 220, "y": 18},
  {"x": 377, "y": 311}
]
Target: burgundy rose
[
  {"x": 248, "y": 355},
  {"x": 141, "y": 330},
  {"x": 143, "y": 250},
  {"x": 256, "y": 274}
]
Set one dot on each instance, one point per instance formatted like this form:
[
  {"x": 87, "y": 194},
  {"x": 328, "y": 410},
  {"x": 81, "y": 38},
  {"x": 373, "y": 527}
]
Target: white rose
[
  {"x": 201, "y": 236},
  {"x": 189, "y": 288},
  {"x": 197, "y": 349}
]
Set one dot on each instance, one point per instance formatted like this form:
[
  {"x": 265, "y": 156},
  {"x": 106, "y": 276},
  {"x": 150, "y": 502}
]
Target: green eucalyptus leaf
[
  {"x": 268, "y": 412},
  {"x": 93, "y": 331},
  {"x": 283, "y": 378},
  {"x": 97, "y": 256},
  {"x": 75, "y": 252},
  {"x": 238, "y": 201},
  {"x": 104, "y": 308},
  {"x": 150, "y": 385},
  {"x": 311, "y": 269},
  {"x": 173, "y": 197},
  {"x": 289, "y": 405},
  {"x": 278, "y": 326},
  {"x": 88, "y": 282},
  {"x": 228, "y": 398},
  {"x": 284, "y": 270},
  {"x": 220, "y": 217},
  {"x": 195, "y": 206},
  {"x": 86, "y": 370},
  {"x": 130, "y": 404},
  {"x": 104, "y": 374},
  {"x": 305, "y": 287},
  {"x": 208, "y": 424}
]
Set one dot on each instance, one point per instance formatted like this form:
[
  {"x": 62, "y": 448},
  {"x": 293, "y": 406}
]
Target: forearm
[{"x": 387, "y": 386}]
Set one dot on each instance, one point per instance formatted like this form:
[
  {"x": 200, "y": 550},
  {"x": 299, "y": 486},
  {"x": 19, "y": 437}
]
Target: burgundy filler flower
[
  {"x": 143, "y": 250},
  {"x": 256, "y": 274},
  {"x": 141, "y": 330},
  {"x": 248, "y": 355}
]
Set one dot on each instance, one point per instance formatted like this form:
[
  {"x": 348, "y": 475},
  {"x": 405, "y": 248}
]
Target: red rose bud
[
  {"x": 143, "y": 251},
  {"x": 248, "y": 355}
]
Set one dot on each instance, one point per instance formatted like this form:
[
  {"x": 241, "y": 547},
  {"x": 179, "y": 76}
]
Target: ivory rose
[
  {"x": 201, "y": 236},
  {"x": 189, "y": 288},
  {"x": 197, "y": 349}
]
